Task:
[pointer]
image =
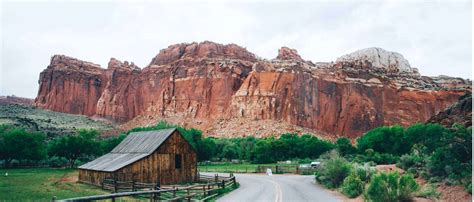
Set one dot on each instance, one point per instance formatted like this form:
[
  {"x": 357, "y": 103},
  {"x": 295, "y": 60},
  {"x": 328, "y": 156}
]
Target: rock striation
[{"x": 227, "y": 91}]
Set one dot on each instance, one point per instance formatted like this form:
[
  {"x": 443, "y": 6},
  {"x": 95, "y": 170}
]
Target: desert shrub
[
  {"x": 428, "y": 191},
  {"x": 333, "y": 171},
  {"x": 468, "y": 187},
  {"x": 391, "y": 187},
  {"x": 378, "y": 158},
  {"x": 364, "y": 172},
  {"x": 352, "y": 186},
  {"x": 409, "y": 161}
]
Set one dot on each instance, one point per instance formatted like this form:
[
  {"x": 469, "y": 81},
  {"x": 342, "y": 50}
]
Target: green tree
[
  {"x": 19, "y": 144},
  {"x": 110, "y": 143},
  {"x": 344, "y": 146},
  {"x": 72, "y": 147},
  {"x": 386, "y": 139}
]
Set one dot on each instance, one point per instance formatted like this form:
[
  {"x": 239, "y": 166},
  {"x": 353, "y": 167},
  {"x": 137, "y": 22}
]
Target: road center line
[{"x": 278, "y": 191}]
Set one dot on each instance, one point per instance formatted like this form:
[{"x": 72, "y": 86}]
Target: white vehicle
[{"x": 315, "y": 164}]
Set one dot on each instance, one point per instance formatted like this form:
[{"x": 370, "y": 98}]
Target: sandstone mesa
[{"x": 226, "y": 90}]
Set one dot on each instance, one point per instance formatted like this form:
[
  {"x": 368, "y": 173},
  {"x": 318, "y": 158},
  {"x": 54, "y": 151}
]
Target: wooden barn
[{"x": 160, "y": 156}]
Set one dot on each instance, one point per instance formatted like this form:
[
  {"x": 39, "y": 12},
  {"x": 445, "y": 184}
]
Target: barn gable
[{"x": 134, "y": 147}]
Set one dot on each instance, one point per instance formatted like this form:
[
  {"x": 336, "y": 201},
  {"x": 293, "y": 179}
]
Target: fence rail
[
  {"x": 198, "y": 192},
  {"x": 295, "y": 169}
]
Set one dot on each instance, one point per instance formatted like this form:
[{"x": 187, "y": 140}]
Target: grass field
[{"x": 42, "y": 184}]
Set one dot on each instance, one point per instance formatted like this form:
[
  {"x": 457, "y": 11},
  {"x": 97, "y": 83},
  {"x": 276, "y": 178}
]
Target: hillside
[
  {"x": 50, "y": 122},
  {"x": 223, "y": 89}
]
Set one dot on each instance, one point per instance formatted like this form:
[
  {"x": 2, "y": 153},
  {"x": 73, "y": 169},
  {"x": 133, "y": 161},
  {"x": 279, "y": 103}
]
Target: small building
[{"x": 159, "y": 156}]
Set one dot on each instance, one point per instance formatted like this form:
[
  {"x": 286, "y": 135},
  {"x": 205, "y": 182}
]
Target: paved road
[{"x": 278, "y": 188}]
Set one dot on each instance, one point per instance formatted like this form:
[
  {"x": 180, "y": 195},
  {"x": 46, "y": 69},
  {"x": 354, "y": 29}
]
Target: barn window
[{"x": 177, "y": 161}]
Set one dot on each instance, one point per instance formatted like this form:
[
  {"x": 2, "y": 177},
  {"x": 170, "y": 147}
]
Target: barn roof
[{"x": 134, "y": 147}]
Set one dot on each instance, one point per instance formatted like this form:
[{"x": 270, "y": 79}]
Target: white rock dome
[{"x": 379, "y": 58}]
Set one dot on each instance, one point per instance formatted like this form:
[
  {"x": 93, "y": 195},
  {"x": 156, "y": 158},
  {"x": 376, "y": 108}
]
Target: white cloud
[{"x": 433, "y": 36}]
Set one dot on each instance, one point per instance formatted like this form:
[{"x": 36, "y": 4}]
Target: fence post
[
  {"x": 158, "y": 187},
  {"x": 204, "y": 189},
  {"x": 53, "y": 199},
  {"x": 223, "y": 184},
  {"x": 297, "y": 169},
  {"x": 188, "y": 194},
  {"x": 174, "y": 192},
  {"x": 216, "y": 177},
  {"x": 276, "y": 169}
]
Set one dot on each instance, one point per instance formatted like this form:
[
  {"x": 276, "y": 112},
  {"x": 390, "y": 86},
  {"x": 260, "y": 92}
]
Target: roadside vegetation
[{"x": 426, "y": 151}]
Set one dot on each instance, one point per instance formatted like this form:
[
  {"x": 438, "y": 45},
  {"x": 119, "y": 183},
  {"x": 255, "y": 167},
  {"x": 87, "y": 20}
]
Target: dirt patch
[
  {"x": 69, "y": 177},
  {"x": 453, "y": 193},
  {"x": 389, "y": 168}
]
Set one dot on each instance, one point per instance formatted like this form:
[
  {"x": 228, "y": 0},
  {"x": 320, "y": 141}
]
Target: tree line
[{"x": 20, "y": 147}]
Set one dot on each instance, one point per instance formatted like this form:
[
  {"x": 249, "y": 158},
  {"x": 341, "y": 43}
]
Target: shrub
[
  {"x": 364, "y": 172},
  {"x": 468, "y": 187},
  {"x": 391, "y": 187},
  {"x": 352, "y": 186},
  {"x": 376, "y": 157},
  {"x": 333, "y": 171},
  {"x": 428, "y": 191}
]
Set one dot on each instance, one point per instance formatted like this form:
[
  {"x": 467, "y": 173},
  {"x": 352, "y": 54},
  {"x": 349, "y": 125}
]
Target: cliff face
[
  {"x": 225, "y": 90},
  {"x": 460, "y": 113}
]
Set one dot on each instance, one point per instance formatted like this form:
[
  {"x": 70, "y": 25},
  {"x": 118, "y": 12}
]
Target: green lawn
[
  {"x": 42, "y": 184},
  {"x": 239, "y": 168}
]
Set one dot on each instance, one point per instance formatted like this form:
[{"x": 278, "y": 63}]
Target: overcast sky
[{"x": 434, "y": 36}]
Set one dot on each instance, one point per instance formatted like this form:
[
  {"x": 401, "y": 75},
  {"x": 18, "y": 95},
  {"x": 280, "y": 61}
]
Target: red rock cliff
[{"x": 226, "y": 91}]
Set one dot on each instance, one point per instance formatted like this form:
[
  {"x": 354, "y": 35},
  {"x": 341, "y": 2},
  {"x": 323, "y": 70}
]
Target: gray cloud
[{"x": 433, "y": 36}]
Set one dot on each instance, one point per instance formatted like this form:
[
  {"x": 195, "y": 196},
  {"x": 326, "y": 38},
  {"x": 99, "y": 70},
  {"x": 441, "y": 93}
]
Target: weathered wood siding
[
  {"x": 92, "y": 176},
  {"x": 158, "y": 167}
]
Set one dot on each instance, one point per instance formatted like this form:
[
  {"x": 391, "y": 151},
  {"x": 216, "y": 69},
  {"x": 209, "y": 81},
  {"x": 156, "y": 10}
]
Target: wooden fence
[
  {"x": 295, "y": 169},
  {"x": 209, "y": 187}
]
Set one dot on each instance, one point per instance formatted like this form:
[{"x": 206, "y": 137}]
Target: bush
[
  {"x": 376, "y": 157},
  {"x": 364, "y": 172},
  {"x": 352, "y": 186},
  {"x": 333, "y": 171},
  {"x": 412, "y": 163},
  {"x": 391, "y": 187},
  {"x": 468, "y": 187},
  {"x": 428, "y": 191}
]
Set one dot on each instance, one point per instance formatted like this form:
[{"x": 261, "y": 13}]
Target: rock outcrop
[
  {"x": 460, "y": 113},
  {"x": 380, "y": 58},
  {"x": 286, "y": 53},
  {"x": 226, "y": 90}
]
